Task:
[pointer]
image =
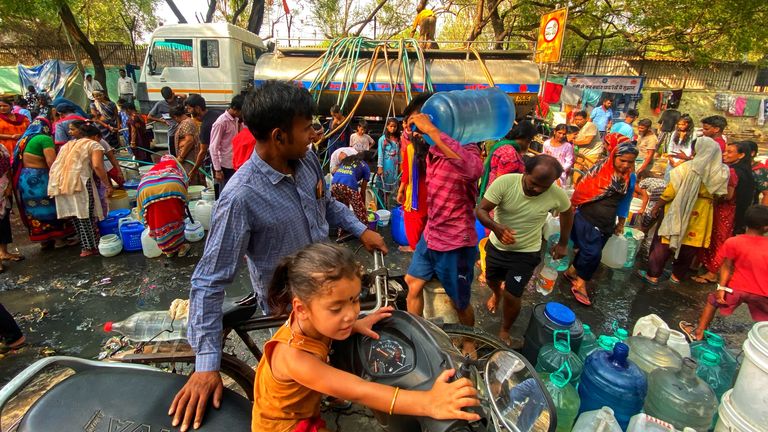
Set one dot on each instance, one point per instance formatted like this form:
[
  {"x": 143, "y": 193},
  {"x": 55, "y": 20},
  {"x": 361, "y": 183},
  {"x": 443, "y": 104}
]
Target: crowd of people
[{"x": 703, "y": 201}]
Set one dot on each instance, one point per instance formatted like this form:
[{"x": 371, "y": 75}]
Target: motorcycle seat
[
  {"x": 236, "y": 310},
  {"x": 114, "y": 399}
]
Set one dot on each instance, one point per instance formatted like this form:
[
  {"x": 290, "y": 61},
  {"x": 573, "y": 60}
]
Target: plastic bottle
[
  {"x": 632, "y": 245},
  {"x": 615, "y": 252},
  {"x": 611, "y": 379},
  {"x": 154, "y": 325},
  {"x": 588, "y": 343},
  {"x": 564, "y": 396},
  {"x": 619, "y": 333},
  {"x": 714, "y": 343},
  {"x": 602, "y": 420},
  {"x": 470, "y": 116},
  {"x": 553, "y": 356},
  {"x": 563, "y": 263},
  {"x": 546, "y": 280},
  {"x": 652, "y": 353},
  {"x": 644, "y": 423},
  {"x": 678, "y": 396},
  {"x": 709, "y": 370},
  {"x": 149, "y": 246}
]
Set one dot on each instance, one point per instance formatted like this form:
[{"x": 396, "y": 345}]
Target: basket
[{"x": 130, "y": 233}]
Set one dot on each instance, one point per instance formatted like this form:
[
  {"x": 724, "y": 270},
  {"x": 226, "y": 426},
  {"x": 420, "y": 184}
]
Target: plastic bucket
[
  {"x": 373, "y": 223},
  {"x": 195, "y": 192},
  {"x": 384, "y": 216},
  {"x": 108, "y": 226},
  {"x": 119, "y": 200},
  {"x": 731, "y": 419},
  {"x": 749, "y": 394},
  {"x": 398, "y": 226}
]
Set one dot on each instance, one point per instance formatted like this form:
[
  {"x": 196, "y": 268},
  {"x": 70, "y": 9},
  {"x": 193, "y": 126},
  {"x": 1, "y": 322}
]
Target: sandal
[
  {"x": 702, "y": 280},
  {"x": 642, "y": 274},
  {"x": 581, "y": 298},
  {"x": 688, "y": 329},
  {"x": 673, "y": 280},
  {"x": 12, "y": 257},
  {"x": 184, "y": 250}
]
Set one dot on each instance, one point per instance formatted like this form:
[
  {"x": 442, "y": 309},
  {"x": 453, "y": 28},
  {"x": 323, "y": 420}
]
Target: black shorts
[{"x": 513, "y": 268}]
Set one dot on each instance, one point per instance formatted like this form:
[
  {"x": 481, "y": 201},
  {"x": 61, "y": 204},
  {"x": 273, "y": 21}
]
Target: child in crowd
[
  {"x": 389, "y": 157},
  {"x": 742, "y": 278},
  {"x": 649, "y": 189},
  {"x": 562, "y": 150},
  {"x": 360, "y": 140},
  {"x": 321, "y": 286},
  {"x": 570, "y": 133},
  {"x": 348, "y": 186}
]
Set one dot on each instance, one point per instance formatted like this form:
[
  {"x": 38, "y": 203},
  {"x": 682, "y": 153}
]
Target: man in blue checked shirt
[{"x": 274, "y": 205}]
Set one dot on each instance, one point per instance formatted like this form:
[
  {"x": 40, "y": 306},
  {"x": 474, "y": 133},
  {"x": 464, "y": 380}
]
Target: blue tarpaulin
[{"x": 51, "y": 76}]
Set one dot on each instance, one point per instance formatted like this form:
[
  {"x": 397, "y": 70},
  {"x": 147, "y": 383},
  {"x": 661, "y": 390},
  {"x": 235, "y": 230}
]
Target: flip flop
[
  {"x": 581, "y": 298},
  {"x": 674, "y": 281},
  {"x": 702, "y": 280},
  {"x": 642, "y": 274},
  {"x": 684, "y": 327}
]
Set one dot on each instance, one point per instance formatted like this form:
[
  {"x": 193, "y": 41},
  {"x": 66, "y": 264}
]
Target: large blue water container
[
  {"x": 398, "y": 226},
  {"x": 471, "y": 116},
  {"x": 611, "y": 379}
]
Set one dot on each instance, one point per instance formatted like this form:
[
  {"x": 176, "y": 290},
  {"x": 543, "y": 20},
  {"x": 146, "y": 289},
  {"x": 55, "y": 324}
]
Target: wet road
[{"x": 61, "y": 300}]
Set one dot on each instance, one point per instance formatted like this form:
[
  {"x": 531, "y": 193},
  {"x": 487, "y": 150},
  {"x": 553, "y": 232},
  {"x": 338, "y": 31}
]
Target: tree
[{"x": 337, "y": 18}]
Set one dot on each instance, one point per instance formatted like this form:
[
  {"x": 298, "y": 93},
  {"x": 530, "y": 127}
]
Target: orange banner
[{"x": 550, "y": 40}]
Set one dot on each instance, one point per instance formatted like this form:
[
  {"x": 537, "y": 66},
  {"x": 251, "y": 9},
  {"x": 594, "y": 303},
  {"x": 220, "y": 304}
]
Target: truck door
[
  {"x": 171, "y": 62},
  {"x": 218, "y": 79}
]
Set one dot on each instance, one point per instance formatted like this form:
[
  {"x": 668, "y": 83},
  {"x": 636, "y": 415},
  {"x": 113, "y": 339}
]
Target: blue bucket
[
  {"x": 119, "y": 213},
  {"x": 108, "y": 226}
]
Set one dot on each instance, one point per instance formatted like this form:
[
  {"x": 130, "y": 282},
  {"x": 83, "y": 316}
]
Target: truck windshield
[{"x": 170, "y": 53}]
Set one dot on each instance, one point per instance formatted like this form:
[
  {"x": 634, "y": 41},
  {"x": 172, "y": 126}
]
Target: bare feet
[
  {"x": 505, "y": 337},
  {"x": 492, "y": 303},
  {"x": 406, "y": 249},
  {"x": 88, "y": 252},
  {"x": 469, "y": 348},
  {"x": 12, "y": 257}
]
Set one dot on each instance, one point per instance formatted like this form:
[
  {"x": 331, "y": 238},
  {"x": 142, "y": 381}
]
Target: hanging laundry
[
  {"x": 752, "y": 107},
  {"x": 721, "y": 102},
  {"x": 761, "y": 114},
  {"x": 739, "y": 105},
  {"x": 570, "y": 95},
  {"x": 675, "y": 98},
  {"x": 591, "y": 97},
  {"x": 731, "y": 105},
  {"x": 552, "y": 92}
]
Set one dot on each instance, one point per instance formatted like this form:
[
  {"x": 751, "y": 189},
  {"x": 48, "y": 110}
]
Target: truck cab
[{"x": 216, "y": 61}]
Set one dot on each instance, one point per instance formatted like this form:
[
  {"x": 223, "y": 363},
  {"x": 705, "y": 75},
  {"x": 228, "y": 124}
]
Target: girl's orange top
[
  {"x": 279, "y": 405},
  {"x": 12, "y": 127}
]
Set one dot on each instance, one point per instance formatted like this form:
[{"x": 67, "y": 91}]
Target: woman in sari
[
  {"x": 162, "y": 203},
  {"x": 12, "y": 126},
  {"x": 729, "y": 212},
  {"x": 688, "y": 203},
  {"x": 32, "y": 158},
  {"x": 6, "y": 236},
  {"x": 105, "y": 114},
  {"x": 603, "y": 194},
  {"x": 72, "y": 183}
]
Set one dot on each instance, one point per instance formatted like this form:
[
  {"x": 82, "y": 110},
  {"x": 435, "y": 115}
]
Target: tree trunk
[
  {"x": 257, "y": 16},
  {"x": 239, "y": 11},
  {"x": 70, "y": 24},
  {"x": 478, "y": 27},
  {"x": 498, "y": 27},
  {"x": 176, "y": 12},
  {"x": 211, "y": 11}
]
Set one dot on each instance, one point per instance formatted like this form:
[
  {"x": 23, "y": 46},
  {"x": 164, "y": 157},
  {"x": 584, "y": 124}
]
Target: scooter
[{"x": 410, "y": 353}]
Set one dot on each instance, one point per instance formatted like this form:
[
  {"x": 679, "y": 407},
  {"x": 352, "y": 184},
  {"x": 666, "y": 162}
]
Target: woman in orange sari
[{"x": 12, "y": 126}]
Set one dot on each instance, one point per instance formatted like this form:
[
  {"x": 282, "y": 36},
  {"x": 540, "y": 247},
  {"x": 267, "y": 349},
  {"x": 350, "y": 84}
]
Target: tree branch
[
  {"x": 176, "y": 11},
  {"x": 211, "y": 11},
  {"x": 364, "y": 22},
  {"x": 239, "y": 11}
]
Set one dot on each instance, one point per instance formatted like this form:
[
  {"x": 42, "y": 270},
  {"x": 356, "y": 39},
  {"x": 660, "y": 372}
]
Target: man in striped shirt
[{"x": 448, "y": 248}]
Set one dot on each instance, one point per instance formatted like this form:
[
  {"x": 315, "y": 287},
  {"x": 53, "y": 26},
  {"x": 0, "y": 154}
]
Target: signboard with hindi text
[
  {"x": 549, "y": 44},
  {"x": 606, "y": 83}
]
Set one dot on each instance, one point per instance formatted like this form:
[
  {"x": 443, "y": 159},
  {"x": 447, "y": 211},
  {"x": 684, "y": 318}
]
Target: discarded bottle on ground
[
  {"x": 471, "y": 116},
  {"x": 150, "y": 325}
]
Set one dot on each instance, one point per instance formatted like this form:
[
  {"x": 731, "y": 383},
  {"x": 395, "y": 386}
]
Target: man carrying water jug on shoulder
[{"x": 520, "y": 203}]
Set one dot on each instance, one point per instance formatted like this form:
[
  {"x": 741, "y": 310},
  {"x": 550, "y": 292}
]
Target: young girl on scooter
[{"x": 321, "y": 286}]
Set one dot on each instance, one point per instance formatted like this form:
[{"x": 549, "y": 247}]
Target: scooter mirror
[{"x": 516, "y": 395}]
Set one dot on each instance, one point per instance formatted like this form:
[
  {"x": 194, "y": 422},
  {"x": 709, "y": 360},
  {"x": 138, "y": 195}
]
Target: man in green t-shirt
[{"x": 521, "y": 203}]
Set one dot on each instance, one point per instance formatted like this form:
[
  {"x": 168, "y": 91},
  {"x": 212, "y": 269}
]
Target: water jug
[
  {"x": 564, "y": 396},
  {"x": 202, "y": 213},
  {"x": 554, "y": 355},
  {"x": 678, "y": 396},
  {"x": 551, "y": 226},
  {"x": 545, "y": 281},
  {"x": 619, "y": 333},
  {"x": 615, "y": 252},
  {"x": 545, "y": 319},
  {"x": 110, "y": 245},
  {"x": 563, "y": 263},
  {"x": 650, "y": 354},
  {"x": 208, "y": 195},
  {"x": 193, "y": 231},
  {"x": 154, "y": 325},
  {"x": 588, "y": 343},
  {"x": 130, "y": 234},
  {"x": 398, "y": 226},
  {"x": 471, "y": 116},
  {"x": 713, "y": 342},
  {"x": 753, "y": 376},
  {"x": 602, "y": 420},
  {"x": 149, "y": 246},
  {"x": 709, "y": 370},
  {"x": 611, "y": 379},
  {"x": 644, "y": 423},
  {"x": 634, "y": 238}
]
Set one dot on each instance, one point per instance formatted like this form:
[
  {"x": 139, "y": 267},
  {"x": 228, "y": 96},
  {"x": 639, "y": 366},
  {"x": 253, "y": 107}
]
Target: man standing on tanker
[
  {"x": 274, "y": 205},
  {"x": 426, "y": 23}
]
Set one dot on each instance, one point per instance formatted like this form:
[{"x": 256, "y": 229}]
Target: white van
[{"x": 215, "y": 60}]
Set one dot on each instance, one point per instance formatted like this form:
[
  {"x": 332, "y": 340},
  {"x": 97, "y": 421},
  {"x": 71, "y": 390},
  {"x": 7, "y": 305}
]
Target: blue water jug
[
  {"x": 480, "y": 230},
  {"x": 611, "y": 379},
  {"x": 397, "y": 221},
  {"x": 471, "y": 116}
]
